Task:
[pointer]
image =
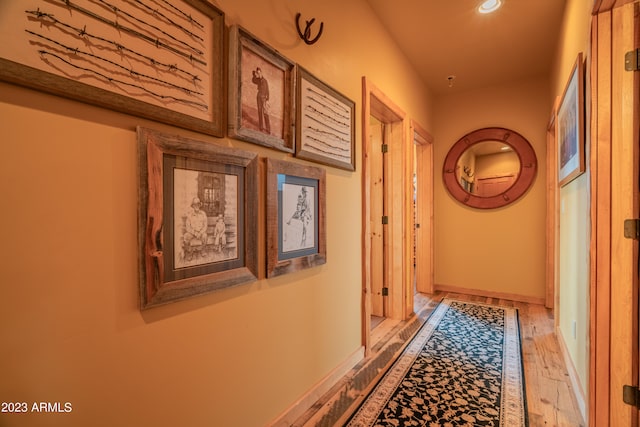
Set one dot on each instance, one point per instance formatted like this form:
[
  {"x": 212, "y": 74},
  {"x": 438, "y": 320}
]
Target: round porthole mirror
[{"x": 489, "y": 168}]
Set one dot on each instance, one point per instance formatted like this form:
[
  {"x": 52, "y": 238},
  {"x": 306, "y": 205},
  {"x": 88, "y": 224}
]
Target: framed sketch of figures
[
  {"x": 325, "y": 123},
  {"x": 261, "y": 92},
  {"x": 571, "y": 157},
  {"x": 197, "y": 209},
  {"x": 163, "y": 61},
  {"x": 295, "y": 217}
]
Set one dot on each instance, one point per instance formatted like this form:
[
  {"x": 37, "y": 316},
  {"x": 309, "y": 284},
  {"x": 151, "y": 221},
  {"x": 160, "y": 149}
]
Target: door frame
[
  {"x": 377, "y": 104},
  {"x": 613, "y": 352},
  {"x": 423, "y": 161},
  {"x": 552, "y": 291}
]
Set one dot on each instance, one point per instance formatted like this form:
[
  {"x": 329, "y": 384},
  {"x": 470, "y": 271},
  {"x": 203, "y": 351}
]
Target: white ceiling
[{"x": 449, "y": 37}]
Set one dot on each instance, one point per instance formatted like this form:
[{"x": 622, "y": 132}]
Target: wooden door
[
  {"x": 634, "y": 122},
  {"x": 376, "y": 135},
  {"x": 624, "y": 205},
  {"x": 614, "y": 168},
  {"x": 494, "y": 185}
]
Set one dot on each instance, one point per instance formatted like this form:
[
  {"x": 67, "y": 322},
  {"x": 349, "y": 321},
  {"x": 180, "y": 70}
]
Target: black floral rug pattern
[{"x": 463, "y": 368}]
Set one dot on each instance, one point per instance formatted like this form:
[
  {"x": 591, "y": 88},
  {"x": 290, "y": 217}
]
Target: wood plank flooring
[{"x": 550, "y": 398}]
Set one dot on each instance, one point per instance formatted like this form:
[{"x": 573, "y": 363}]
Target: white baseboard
[{"x": 295, "y": 411}]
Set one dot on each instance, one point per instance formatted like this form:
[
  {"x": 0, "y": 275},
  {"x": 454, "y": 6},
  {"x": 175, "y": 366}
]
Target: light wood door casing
[
  {"x": 376, "y": 132},
  {"x": 424, "y": 270}
]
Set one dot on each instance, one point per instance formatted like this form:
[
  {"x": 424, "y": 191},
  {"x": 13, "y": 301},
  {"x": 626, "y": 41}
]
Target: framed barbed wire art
[
  {"x": 261, "y": 92},
  {"x": 158, "y": 59},
  {"x": 295, "y": 217},
  {"x": 197, "y": 207},
  {"x": 325, "y": 123}
]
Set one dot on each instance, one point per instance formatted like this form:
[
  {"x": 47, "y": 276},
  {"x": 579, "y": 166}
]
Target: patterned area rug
[{"x": 463, "y": 368}]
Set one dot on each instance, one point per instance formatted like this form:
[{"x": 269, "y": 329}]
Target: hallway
[{"x": 549, "y": 393}]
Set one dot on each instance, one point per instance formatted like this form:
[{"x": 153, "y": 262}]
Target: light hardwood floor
[{"x": 550, "y": 398}]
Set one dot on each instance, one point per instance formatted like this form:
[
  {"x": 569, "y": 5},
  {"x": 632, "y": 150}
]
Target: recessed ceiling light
[{"x": 489, "y": 6}]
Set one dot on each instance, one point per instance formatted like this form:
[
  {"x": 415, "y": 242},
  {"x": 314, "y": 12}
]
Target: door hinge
[
  {"x": 385, "y": 148},
  {"x": 385, "y": 292},
  {"x": 632, "y": 60},
  {"x": 385, "y": 219},
  {"x": 631, "y": 395},
  {"x": 632, "y": 228}
]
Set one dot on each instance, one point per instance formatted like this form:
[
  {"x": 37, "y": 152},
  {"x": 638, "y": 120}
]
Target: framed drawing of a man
[
  {"x": 295, "y": 217},
  {"x": 261, "y": 92},
  {"x": 196, "y": 213},
  {"x": 571, "y": 158}
]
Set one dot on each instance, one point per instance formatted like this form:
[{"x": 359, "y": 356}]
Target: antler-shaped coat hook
[{"x": 306, "y": 36}]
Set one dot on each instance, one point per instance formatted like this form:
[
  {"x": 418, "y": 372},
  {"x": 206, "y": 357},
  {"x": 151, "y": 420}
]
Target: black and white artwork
[
  {"x": 298, "y": 228},
  {"x": 205, "y": 217},
  {"x": 295, "y": 216},
  {"x": 194, "y": 204},
  {"x": 298, "y": 216}
]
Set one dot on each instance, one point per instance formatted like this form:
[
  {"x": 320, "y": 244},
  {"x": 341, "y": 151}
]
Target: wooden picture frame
[
  {"x": 261, "y": 92},
  {"x": 196, "y": 217},
  {"x": 571, "y": 145},
  {"x": 296, "y": 206},
  {"x": 325, "y": 123},
  {"x": 164, "y": 64}
]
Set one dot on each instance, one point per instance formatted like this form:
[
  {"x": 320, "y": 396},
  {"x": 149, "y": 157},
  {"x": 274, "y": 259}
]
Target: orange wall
[
  {"x": 499, "y": 250},
  {"x": 70, "y": 326}
]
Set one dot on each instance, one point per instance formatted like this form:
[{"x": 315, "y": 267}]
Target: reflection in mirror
[
  {"x": 477, "y": 175},
  {"x": 488, "y": 168}
]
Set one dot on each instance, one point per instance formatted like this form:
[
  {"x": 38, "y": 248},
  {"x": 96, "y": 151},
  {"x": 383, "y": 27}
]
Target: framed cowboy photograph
[
  {"x": 325, "y": 123},
  {"x": 261, "y": 92},
  {"x": 158, "y": 60},
  {"x": 196, "y": 214},
  {"x": 296, "y": 197},
  {"x": 571, "y": 158}
]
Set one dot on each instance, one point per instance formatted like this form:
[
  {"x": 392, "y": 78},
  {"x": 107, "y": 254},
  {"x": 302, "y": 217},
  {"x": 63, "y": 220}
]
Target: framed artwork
[
  {"x": 261, "y": 92},
  {"x": 196, "y": 217},
  {"x": 295, "y": 217},
  {"x": 325, "y": 123},
  {"x": 158, "y": 60},
  {"x": 571, "y": 158}
]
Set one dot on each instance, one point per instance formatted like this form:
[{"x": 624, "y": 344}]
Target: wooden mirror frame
[{"x": 528, "y": 168}]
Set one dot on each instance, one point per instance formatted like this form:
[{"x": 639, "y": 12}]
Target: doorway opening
[
  {"x": 423, "y": 209},
  {"x": 386, "y": 195}
]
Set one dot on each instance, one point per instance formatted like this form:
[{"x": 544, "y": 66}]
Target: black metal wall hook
[{"x": 306, "y": 36}]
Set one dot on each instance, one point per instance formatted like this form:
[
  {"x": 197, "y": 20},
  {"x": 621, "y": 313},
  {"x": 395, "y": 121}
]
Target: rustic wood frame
[
  {"x": 158, "y": 285},
  {"x": 572, "y": 101},
  {"x": 57, "y": 84},
  {"x": 525, "y": 179},
  {"x": 312, "y": 112},
  {"x": 240, "y": 40},
  {"x": 277, "y": 266}
]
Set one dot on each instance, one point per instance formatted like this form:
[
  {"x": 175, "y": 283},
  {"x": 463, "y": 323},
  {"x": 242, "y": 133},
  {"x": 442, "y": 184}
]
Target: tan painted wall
[
  {"x": 70, "y": 327},
  {"x": 500, "y": 250},
  {"x": 574, "y": 206}
]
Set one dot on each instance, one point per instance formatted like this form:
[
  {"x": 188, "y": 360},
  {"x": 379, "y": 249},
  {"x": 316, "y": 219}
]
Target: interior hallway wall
[
  {"x": 70, "y": 326},
  {"x": 574, "y": 206},
  {"x": 496, "y": 251}
]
